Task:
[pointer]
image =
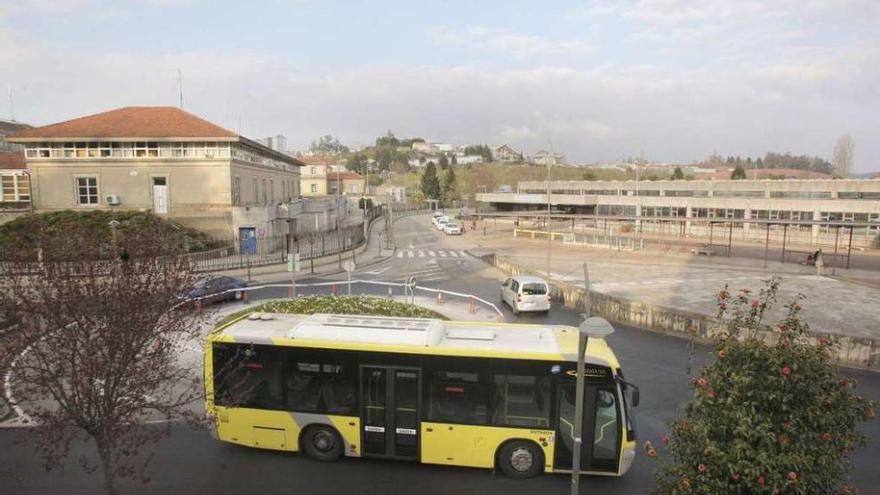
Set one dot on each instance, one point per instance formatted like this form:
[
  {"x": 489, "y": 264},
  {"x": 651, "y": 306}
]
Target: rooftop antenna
[
  {"x": 11, "y": 102},
  {"x": 180, "y": 86}
]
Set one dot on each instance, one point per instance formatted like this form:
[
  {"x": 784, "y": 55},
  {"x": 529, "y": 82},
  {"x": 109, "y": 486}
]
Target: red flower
[
  {"x": 722, "y": 354},
  {"x": 797, "y": 307},
  {"x": 786, "y": 371},
  {"x": 702, "y": 468},
  {"x": 652, "y": 453},
  {"x": 665, "y": 440},
  {"x": 755, "y": 303},
  {"x": 734, "y": 477},
  {"x": 786, "y": 343},
  {"x": 826, "y": 436},
  {"x": 761, "y": 480},
  {"x": 792, "y": 476},
  {"x": 686, "y": 484},
  {"x": 722, "y": 306},
  {"x": 702, "y": 382}
]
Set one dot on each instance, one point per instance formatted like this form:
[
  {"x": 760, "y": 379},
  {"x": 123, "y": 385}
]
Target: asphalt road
[{"x": 191, "y": 461}]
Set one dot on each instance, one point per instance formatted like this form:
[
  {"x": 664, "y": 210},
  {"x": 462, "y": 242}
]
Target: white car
[
  {"x": 441, "y": 222},
  {"x": 437, "y": 214},
  {"x": 452, "y": 228},
  {"x": 526, "y": 293}
]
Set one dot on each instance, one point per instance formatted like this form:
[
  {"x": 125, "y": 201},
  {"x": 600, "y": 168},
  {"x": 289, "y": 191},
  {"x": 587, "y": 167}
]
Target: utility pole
[
  {"x": 180, "y": 87},
  {"x": 11, "y": 102},
  {"x": 549, "y": 206}
]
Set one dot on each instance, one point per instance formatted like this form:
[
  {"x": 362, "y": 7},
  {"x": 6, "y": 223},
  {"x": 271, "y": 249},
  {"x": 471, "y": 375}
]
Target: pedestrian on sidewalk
[{"x": 820, "y": 262}]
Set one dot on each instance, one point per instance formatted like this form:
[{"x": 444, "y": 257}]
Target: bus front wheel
[
  {"x": 521, "y": 459},
  {"x": 322, "y": 443}
]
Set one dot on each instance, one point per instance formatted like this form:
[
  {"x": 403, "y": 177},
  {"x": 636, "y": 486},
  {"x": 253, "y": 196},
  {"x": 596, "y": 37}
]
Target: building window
[
  {"x": 236, "y": 191},
  {"x": 271, "y": 191},
  {"x": 15, "y": 187},
  {"x": 87, "y": 190},
  {"x": 265, "y": 192},
  {"x": 256, "y": 191},
  {"x": 313, "y": 171},
  {"x": 314, "y": 188}
]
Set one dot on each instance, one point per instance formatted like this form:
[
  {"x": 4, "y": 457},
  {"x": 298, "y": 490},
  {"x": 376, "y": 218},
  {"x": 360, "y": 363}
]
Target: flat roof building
[{"x": 699, "y": 201}]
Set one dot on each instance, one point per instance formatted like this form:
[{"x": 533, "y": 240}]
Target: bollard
[
  {"x": 390, "y": 295},
  {"x": 333, "y": 289},
  {"x": 245, "y": 296},
  {"x": 290, "y": 292},
  {"x": 199, "y": 305},
  {"x": 439, "y": 298},
  {"x": 472, "y": 305}
]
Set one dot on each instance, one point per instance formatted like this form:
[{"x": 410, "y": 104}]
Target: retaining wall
[{"x": 853, "y": 352}]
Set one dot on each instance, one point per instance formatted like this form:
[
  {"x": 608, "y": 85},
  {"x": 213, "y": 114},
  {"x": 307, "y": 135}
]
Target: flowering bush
[{"x": 768, "y": 416}]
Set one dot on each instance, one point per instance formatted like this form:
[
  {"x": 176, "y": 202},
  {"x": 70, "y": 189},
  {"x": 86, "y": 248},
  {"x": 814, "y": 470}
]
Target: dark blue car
[{"x": 215, "y": 288}]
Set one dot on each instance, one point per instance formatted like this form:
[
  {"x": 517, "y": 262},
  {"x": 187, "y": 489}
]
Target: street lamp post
[
  {"x": 591, "y": 327},
  {"x": 549, "y": 230}
]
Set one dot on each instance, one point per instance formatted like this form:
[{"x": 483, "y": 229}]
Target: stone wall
[{"x": 851, "y": 351}]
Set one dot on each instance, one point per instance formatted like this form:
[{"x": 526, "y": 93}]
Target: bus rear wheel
[
  {"x": 521, "y": 459},
  {"x": 322, "y": 443}
]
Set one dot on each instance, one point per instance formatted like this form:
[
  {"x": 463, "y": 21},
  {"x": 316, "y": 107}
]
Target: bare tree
[
  {"x": 844, "y": 150},
  {"x": 95, "y": 348}
]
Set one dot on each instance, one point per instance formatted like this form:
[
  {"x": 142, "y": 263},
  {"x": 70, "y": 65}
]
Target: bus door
[
  {"x": 601, "y": 431},
  {"x": 390, "y": 411}
]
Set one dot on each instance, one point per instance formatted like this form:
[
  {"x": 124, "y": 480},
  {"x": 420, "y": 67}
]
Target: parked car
[
  {"x": 526, "y": 293},
  {"x": 216, "y": 288},
  {"x": 452, "y": 228},
  {"x": 441, "y": 222},
  {"x": 437, "y": 214}
]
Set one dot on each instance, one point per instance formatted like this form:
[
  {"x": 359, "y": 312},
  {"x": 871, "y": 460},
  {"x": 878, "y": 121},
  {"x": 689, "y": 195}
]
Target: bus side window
[
  {"x": 521, "y": 401},
  {"x": 247, "y": 376}
]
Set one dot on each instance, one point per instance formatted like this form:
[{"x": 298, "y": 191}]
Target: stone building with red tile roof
[{"x": 165, "y": 160}]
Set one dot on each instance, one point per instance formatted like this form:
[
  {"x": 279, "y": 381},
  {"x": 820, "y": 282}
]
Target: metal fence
[{"x": 243, "y": 252}]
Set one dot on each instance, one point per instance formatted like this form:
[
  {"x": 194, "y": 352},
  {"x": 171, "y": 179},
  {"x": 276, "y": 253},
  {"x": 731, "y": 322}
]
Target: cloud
[
  {"x": 502, "y": 41},
  {"x": 798, "y": 103}
]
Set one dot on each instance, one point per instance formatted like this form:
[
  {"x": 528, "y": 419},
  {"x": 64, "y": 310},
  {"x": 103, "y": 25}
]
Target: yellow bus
[{"x": 487, "y": 395}]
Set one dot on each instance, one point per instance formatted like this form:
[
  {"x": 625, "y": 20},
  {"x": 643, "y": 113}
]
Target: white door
[{"x": 160, "y": 195}]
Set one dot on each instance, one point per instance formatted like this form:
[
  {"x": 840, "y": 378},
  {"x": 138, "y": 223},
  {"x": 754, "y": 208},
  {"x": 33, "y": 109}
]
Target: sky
[{"x": 596, "y": 80}]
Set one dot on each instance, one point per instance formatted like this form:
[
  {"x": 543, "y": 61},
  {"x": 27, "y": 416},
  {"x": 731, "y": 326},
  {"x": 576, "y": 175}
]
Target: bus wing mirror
[{"x": 635, "y": 395}]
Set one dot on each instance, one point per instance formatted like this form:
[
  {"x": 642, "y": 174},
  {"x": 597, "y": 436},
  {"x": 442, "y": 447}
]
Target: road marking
[
  {"x": 442, "y": 254},
  {"x": 464, "y": 253},
  {"x": 453, "y": 254},
  {"x": 400, "y": 254},
  {"x": 421, "y": 254},
  {"x": 411, "y": 254},
  {"x": 431, "y": 253},
  {"x": 378, "y": 272}
]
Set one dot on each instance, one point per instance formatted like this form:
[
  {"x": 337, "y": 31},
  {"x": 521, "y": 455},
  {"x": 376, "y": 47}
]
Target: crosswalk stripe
[
  {"x": 431, "y": 253},
  {"x": 453, "y": 254},
  {"x": 400, "y": 254},
  {"x": 421, "y": 254},
  {"x": 411, "y": 254},
  {"x": 442, "y": 254},
  {"x": 463, "y": 254}
]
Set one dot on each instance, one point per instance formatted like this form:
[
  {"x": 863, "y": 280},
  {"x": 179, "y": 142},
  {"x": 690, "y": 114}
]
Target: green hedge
[
  {"x": 19, "y": 233},
  {"x": 345, "y": 305}
]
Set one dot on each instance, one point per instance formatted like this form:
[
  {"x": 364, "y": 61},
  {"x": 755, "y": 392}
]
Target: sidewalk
[{"x": 373, "y": 251}]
